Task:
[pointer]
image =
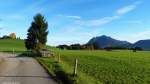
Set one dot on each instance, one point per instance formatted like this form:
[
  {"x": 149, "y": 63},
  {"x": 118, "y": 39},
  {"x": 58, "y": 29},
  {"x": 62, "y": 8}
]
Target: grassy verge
[
  {"x": 56, "y": 70},
  {"x": 63, "y": 72}
]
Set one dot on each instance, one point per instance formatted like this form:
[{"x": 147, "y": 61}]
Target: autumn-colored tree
[{"x": 12, "y": 36}]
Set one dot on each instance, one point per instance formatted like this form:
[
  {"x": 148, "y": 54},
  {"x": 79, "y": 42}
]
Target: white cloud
[
  {"x": 97, "y": 22},
  {"x": 128, "y": 8},
  {"x": 70, "y": 16},
  {"x": 74, "y": 17},
  {"x": 105, "y": 20}
]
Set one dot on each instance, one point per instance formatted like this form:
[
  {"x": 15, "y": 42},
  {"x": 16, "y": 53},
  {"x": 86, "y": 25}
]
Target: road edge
[{"x": 47, "y": 70}]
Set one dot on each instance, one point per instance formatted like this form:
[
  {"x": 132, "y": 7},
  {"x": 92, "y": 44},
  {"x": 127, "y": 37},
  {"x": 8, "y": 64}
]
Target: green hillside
[
  {"x": 17, "y": 45},
  {"x": 9, "y": 45}
]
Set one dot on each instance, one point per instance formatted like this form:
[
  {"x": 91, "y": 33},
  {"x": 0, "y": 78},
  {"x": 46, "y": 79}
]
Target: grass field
[
  {"x": 103, "y": 67},
  {"x": 9, "y": 45}
]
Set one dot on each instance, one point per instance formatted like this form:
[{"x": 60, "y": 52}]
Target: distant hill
[
  {"x": 16, "y": 44},
  {"x": 106, "y": 41},
  {"x": 144, "y": 44}
]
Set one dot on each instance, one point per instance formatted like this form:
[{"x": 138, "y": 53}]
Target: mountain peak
[
  {"x": 103, "y": 36},
  {"x": 106, "y": 41}
]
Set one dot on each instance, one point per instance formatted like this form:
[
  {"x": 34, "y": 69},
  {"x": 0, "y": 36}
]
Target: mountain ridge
[{"x": 107, "y": 41}]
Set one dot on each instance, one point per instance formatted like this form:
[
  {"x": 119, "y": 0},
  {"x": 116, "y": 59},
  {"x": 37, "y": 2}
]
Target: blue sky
[{"x": 77, "y": 21}]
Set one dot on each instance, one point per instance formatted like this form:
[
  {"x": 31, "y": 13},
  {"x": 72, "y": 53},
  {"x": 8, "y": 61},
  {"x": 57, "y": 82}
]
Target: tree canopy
[{"x": 37, "y": 33}]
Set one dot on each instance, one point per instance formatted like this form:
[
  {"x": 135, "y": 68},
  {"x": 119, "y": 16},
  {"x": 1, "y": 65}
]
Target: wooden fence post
[
  {"x": 75, "y": 67},
  {"x": 13, "y": 51},
  {"x": 59, "y": 58}
]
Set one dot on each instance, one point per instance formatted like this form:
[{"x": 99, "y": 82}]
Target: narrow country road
[{"x": 22, "y": 70}]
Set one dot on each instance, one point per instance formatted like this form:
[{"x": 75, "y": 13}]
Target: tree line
[
  {"x": 94, "y": 47},
  {"x": 11, "y": 36}
]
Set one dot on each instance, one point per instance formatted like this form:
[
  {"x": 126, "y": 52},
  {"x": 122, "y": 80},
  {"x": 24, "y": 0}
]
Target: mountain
[
  {"x": 144, "y": 44},
  {"x": 106, "y": 41}
]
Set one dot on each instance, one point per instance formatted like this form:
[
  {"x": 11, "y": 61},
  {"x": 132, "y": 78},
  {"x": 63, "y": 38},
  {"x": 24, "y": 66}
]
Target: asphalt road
[{"x": 22, "y": 70}]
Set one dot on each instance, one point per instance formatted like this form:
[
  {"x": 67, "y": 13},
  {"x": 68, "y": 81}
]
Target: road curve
[{"x": 22, "y": 70}]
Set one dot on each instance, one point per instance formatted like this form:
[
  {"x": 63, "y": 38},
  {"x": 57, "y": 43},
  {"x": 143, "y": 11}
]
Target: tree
[
  {"x": 137, "y": 49},
  {"x": 75, "y": 46},
  {"x": 31, "y": 42},
  {"x": 63, "y": 47},
  {"x": 5, "y": 37},
  {"x": 37, "y": 33},
  {"x": 12, "y": 36}
]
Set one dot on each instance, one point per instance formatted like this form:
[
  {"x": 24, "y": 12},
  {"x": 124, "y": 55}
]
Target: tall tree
[
  {"x": 31, "y": 41},
  {"x": 37, "y": 33}
]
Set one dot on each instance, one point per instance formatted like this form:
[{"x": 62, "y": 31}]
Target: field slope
[
  {"x": 9, "y": 45},
  {"x": 17, "y": 45}
]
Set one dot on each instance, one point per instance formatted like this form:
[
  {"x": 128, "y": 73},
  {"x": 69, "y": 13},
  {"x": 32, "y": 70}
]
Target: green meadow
[
  {"x": 106, "y": 67},
  {"x": 10, "y": 45}
]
